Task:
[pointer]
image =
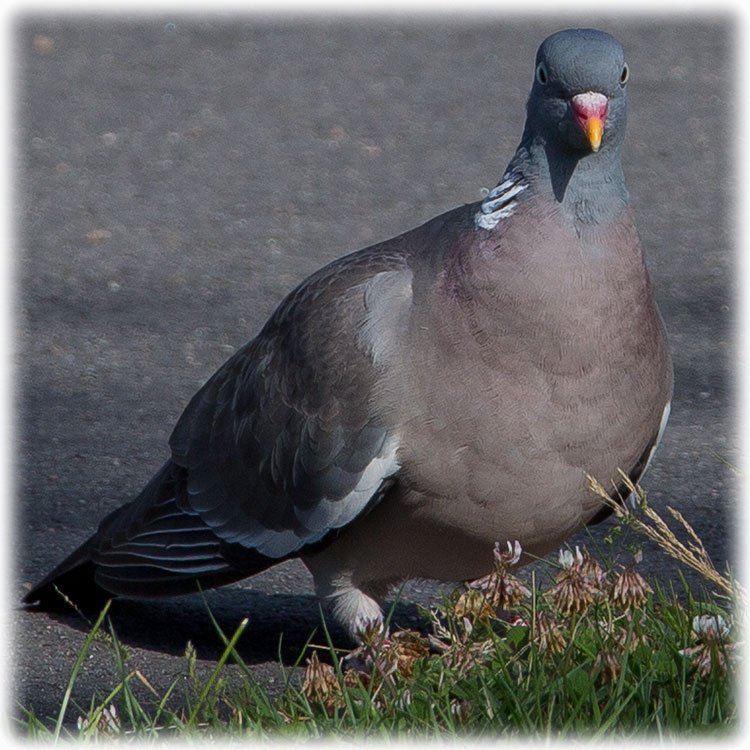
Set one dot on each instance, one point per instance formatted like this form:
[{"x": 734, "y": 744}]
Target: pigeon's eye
[
  {"x": 541, "y": 73},
  {"x": 624, "y": 75}
]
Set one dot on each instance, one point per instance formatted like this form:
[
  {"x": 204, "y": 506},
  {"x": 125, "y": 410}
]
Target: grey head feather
[
  {"x": 581, "y": 60},
  {"x": 554, "y": 154}
]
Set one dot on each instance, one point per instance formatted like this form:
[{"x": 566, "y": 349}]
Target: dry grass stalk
[{"x": 693, "y": 554}]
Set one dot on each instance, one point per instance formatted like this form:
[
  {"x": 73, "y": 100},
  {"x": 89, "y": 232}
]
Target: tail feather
[
  {"x": 72, "y": 579},
  {"x": 151, "y": 547}
]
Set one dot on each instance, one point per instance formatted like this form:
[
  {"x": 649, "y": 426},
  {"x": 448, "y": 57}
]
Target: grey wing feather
[
  {"x": 277, "y": 451},
  {"x": 281, "y": 445}
]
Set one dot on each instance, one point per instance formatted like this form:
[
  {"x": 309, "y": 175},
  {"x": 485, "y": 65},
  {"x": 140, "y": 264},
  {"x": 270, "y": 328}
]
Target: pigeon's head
[{"x": 578, "y": 100}]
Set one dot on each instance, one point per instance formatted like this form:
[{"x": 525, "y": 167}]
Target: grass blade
[
  {"x": 215, "y": 674},
  {"x": 76, "y": 668}
]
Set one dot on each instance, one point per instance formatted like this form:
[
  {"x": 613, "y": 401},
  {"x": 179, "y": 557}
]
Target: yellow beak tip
[{"x": 594, "y": 132}]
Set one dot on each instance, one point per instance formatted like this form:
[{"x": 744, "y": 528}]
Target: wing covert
[{"x": 282, "y": 444}]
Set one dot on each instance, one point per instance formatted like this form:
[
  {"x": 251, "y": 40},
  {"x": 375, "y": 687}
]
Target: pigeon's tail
[
  {"x": 72, "y": 581},
  {"x": 151, "y": 547}
]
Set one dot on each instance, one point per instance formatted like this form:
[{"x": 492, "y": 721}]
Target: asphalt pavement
[{"x": 176, "y": 176}]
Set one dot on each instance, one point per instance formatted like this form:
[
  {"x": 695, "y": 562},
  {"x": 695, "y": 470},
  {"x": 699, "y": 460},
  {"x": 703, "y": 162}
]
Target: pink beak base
[{"x": 590, "y": 110}]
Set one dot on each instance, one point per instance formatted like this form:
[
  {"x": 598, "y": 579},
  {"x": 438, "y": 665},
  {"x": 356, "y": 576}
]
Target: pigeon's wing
[
  {"x": 281, "y": 448},
  {"x": 282, "y": 444}
]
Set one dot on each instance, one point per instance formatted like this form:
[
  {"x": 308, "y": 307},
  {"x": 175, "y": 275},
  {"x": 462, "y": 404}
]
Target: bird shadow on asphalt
[{"x": 280, "y": 626}]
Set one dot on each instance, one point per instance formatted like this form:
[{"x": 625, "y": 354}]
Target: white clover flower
[
  {"x": 511, "y": 557},
  {"x": 712, "y": 630},
  {"x": 514, "y": 552},
  {"x": 711, "y": 627},
  {"x": 568, "y": 559},
  {"x": 565, "y": 558}
]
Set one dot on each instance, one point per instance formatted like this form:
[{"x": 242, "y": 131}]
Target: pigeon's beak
[{"x": 590, "y": 110}]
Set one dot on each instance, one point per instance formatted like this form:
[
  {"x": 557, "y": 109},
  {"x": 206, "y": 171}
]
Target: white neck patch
[{"x": 501, "y": 201}]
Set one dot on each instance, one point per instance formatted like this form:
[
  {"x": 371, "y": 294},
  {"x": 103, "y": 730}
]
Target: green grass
[{"x": 592, "y": 653}]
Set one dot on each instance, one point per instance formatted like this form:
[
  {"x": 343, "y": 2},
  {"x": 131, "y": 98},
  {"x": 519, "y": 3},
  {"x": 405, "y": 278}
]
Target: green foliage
[{"x": 598, "y": 653}]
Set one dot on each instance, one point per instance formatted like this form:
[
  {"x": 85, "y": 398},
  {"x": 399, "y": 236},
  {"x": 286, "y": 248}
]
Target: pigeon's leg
[{"x": 356, "y": 610}]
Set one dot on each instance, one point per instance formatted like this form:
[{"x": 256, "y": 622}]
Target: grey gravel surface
[{"x": 175, "y": 177}]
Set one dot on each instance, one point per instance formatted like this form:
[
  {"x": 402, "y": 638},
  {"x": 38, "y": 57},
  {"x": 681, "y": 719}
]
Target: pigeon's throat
[{"x": 590, "y": 110}]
